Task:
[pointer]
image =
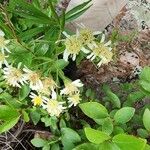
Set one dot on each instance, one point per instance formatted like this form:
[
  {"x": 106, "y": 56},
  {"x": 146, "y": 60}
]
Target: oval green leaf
[
  {"x": 124, "y": 114},
  {"x": 96, "y": 136},
  {"x": 94, "y": 110},
  {"x": 146, "y": 119}
]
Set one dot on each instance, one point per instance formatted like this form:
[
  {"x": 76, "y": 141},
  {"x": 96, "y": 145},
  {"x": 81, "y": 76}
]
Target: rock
[{"x": 99, "y": 15}]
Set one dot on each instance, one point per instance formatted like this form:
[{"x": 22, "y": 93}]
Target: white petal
[
  {"x": 99, "y": 64},
  {"x": 19, "y": 65},
  {"x": 74, "y": 57},
  {"x": 65, "y": 33},
  {"x": 86, "y": 51},
  {"x": 1, "y": 64},
  {"x": 2, "y": 33},
  {"x": 90, "y": 45},
  {"x": 103, "y": 38},
  {"x": 6, "y": 41},
  {"x": 2, "y": 49},
  {"x": 7, "y": 49},
  {"x": 77, "y": 32},
  {"x": 97, "y": 32},
  {"x": 110, "y": 48},
  {"x": 66, "y": 55},
  {"x": 77, "y": 83},
  {"x": 54, "y": 95},
  {"x": 108, "y": 43},
  {"x": 89, "y": 56},
  {"x": 93, "y": 58}
]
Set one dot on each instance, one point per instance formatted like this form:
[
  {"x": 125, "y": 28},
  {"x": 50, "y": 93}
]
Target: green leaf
[
  {"x": 55, "y": 147},
  {"x": 69, "y": 137},
  {"x": 124, "y": 114},
  {"x": 129, "y": 142},
  {"x": 107, "y": 126},
  {"x": 27, "y": 10},
  {"x": 108, "y": 146},
  {"x": 8, "y": 117},
  {"x": 77, "y": 8},
  {"x": 77, "y": 14},
  {"x": 94, "y": 110},
  {"x": 112, "y": 97},
  {"x": 59, "y": 65},
  {"x": 38, "y": 142},
  {"x": 46, "y": 147},
  {"x": 118, "y": 130},
  {"x": 25, "y": 116},
  {"x": 134, "y": 97},
  {"x": 146, "y": 119},
  {"x": 96, "y": 136},
  {"x": 77, "y": 11},
  {"x": 145, "y": 74},
  {"x": 147, "y": 147},
  {"x": 24, "y": 92},
  {"x": 142, "y": 133},
  {"x": 87, "y": 146},
  {"x": 35, "y": 116},
  {"x": 145, "y": 85},
  {"x": 27, "y": 35},
  {"x": 8, "y": 124}
]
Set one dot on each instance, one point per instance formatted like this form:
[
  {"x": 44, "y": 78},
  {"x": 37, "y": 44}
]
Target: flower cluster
[
  {"x": 72, "y": 91},
  {"x": 84, "y": 40},
  {"x": 43, "y": 89}
]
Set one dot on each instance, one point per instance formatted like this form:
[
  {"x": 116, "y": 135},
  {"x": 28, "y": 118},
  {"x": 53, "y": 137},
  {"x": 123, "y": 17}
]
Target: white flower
[
  {"x": 74, "y": 100},
  {"x": 71, "y": 87},
  {"x": 54, "y": 107},
  {"x": 101, "y": 50},
  {"x": 49, "y": 86},
  {"x": 3, "y": 42},
  {"x": 73, "y": 47},
  {"x": 38, "y": 100},
  {"x": 33, "y": 78},
  {"x": 14, "y": 76},
  {"x": 3, "y": 59}
]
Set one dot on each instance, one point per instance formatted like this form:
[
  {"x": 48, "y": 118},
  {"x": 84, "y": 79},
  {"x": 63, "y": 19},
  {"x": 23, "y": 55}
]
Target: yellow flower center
[
  {"x": 2, "y": 57},
  {"x": 37, "y": 101},
  {"x": 75, "y": 98},
  {"x": 52, "y": 105},
  {"x": 16, "y": 73},
  {"x": 71, "y": 89},
  {"x": 49, "y": 83},
  {"x": 86, "y": 36},
  {"x": 103, "y": 51},
  {"x": 2, "y": 41},
  {"x": 73, "y": 45},
  {"x": 34, "y": 77}
]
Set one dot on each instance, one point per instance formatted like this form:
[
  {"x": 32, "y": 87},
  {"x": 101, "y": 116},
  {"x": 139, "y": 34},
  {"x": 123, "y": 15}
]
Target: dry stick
[{"x": 17, "y": 140}]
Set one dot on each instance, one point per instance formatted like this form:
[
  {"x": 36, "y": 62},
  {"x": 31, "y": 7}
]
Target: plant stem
[{"x": 54, "y": 12}]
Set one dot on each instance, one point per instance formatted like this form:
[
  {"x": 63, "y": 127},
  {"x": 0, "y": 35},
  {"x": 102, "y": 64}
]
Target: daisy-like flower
[
  {"x": 49, "y": 86},
  {"x": 38, "y": 100},
  {"x": 71, "y": 87},
  {"x": 103, "y": 51},
  {"x": 14, "y": 76},
  {"x": 74, "y": 99},
  {"x": 3, "y": 42},
  {"x": 3, "y": 59},
  {"x": 33, "y": 78},
  {"x": 87, "y": 36},
  {"x": 73, "y": 47},
  {"x": 54, "y": 107}
]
